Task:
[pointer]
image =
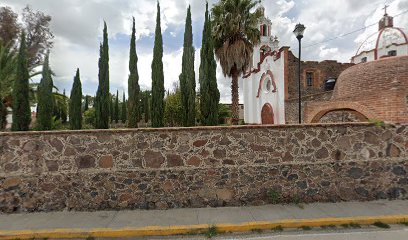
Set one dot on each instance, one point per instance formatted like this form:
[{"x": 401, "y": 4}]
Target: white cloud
[{"x": 77, "y": 26}]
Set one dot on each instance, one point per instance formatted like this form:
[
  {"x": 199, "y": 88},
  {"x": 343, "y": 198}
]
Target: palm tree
[
  {"x": 235, "y": 33},
  {"x": 8, "y": 61}
]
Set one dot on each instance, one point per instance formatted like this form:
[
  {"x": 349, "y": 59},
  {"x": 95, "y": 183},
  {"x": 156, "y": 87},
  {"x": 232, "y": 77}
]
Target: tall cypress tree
[
  {"x": 75, "y": 103},
  {"x": 146, "y": 107},
  {"x": 102, "y": 95},
  {"x": 111, "y": 109},
  {"x": 187, "y": 76},
  {"x": 124, "y": 109},
  {"x": 3, "y": 115},
  {"x": 63, "y": 109},
  {"x": 117, "y": 107},
  {"x": 209, "y": 93},
  {"x": 45, "y": 99},
  {"x": 86, "y": 107},
  {"x": 157, "y": 76},
  {"x": 21, "y": 103},
  {"x": 133, "y": 83}
]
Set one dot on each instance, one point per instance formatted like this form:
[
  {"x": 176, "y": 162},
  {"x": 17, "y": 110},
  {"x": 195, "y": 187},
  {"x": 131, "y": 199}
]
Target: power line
[{"x": 349, "y": 33}]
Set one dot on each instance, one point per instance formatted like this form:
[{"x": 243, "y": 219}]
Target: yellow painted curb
[{"x": 195, "y": 229}]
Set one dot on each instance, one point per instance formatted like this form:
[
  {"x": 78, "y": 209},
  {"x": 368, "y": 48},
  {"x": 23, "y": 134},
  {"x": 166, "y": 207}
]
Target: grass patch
[
  {"x": 331, "y": 226},
  {"x": 277, "y": 229},
  {"x": 306, "y": 228},
  {"x": 381, "y": 225},
  {"x": 296, "y": 200},
  {"x": 257, "y": 230},
  {"x": 193, "y": 232},
  {"x": 345, "y": 225},
  {"x": 404, "y": 223},
  {"x": 211, "y": 232},
  {"x": 355, "y": 225},
  {"x": 90, "y": 238},
  {"x": 377, "y": 122},
  {"x": 274, "y": 196}
]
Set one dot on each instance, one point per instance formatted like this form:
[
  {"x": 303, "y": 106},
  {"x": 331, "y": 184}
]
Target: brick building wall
[
  {"x": 376, "y": 89},
  {"x": 200, "y": 167},
  {"x": 319, "y": 71}
]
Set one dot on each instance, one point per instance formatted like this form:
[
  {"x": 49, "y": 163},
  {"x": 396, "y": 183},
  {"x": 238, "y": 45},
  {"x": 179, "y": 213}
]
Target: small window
[
  {"x": 392, "y": 53},
  {"x": 265, "y": 30},
  {"x": 364, "y": 59},
  {"x": 267, "y": 85},
  {"x": 309, "y": 79}
]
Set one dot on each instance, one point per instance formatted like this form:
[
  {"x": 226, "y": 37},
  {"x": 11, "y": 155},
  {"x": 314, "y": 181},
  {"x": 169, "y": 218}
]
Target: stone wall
[
  {"x": 341, "y": 116},
  {"x": 199, "y": 167},
  {"x": 292, "y": 105}
]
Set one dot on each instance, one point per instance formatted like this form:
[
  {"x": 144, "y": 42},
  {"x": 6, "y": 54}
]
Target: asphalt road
[
  {"x": 397, "y": 232},
  {"x": 401, "y": 234}
]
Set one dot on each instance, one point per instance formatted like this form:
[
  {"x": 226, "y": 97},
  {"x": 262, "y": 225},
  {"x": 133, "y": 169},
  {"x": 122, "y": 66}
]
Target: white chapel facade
[{"x": 264, "y": 83}]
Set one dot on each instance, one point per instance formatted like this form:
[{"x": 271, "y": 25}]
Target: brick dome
[
  {"x": 373, "y": 79},
  {"x": 373, "y": 90},
  {"x": 381, "y": 86}
]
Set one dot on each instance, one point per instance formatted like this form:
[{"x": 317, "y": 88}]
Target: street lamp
[{"x": 299, "y": 30}]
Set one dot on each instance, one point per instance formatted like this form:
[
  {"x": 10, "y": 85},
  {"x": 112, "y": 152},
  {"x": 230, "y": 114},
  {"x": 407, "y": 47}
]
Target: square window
[
  {"x": 392, "y": 53},
  {"x": 364, "y": 59}
]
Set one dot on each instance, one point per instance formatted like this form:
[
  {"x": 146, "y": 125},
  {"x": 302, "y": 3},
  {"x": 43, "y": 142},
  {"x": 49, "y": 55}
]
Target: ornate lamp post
[{"x": 299, "y": 30}]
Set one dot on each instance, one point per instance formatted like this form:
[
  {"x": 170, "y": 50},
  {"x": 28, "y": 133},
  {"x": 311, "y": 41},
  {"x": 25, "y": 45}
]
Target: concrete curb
[{"x": 195, "y": 229}]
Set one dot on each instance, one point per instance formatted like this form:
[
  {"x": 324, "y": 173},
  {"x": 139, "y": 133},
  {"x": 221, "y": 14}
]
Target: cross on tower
[{"x": 385, "y": 9}]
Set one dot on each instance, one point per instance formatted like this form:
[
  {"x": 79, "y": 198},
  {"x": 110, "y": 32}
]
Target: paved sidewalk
[{"x": 179, "y": 221}]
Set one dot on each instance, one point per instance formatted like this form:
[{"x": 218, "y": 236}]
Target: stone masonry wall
[
  {"x": 292, "y": 105},
  {"x": 199, "y": 167}
]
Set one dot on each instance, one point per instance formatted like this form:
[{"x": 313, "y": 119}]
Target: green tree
[
  {"x": 3, "y": 115},
  {"x": 21, "y": 103},
  {"x": 8, "y": 63},
  {"x": 209, "y": 93},
  {"x": 102, "y": 95},
  {"x": 111, "y": 108},
  {"x": 157, "y": 76},
  {"x": 124, "y": 109},
  {"x": 75, "y": 104},
  {"x": 117, "y": 107},
  {"x": 187, "y": 76},
  {"x": 173, "y": 110},
  {"x": 64, "y": 113},
  {"x": 146, "y": 105},
  {"x": 60, "y": 107},
  {"x": 45, "y": 98},
  {"x": 235, "y": 32},
  {"x": 133, "y": 83},
  {"x": 86, "y": 106},
  {"x": 224, "y": 113},
  {"x": 89, "y": 116},
  {"x": 36, "y": 25}
]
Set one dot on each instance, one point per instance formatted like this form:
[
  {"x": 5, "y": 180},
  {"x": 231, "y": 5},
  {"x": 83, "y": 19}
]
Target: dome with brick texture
[{"x": 373, "y": 90}]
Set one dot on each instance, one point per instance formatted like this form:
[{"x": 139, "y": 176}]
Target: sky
[{"x": 77, "y": 26}]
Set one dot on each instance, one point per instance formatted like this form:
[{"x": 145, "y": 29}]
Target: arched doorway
[
  {"x": 335, "y": 109},
  {"x": 267, "y": 114}
]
